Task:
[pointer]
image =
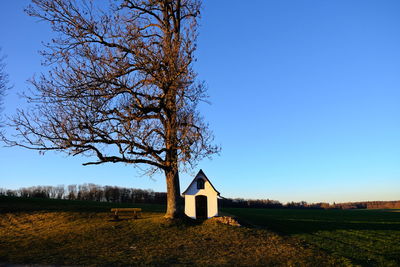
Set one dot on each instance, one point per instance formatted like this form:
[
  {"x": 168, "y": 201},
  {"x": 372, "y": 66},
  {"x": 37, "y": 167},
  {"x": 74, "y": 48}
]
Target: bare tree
[
  {"x": 3, "y": 84},
  {"x": 121, "y": 87},
  {"x": 72, "y": 192}
]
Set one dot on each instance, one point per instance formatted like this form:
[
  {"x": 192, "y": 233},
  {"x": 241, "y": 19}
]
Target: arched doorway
[{"x": 201, "y": 207}]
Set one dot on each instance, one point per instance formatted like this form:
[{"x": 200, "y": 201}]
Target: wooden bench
[{"x": 135, "y": 212}]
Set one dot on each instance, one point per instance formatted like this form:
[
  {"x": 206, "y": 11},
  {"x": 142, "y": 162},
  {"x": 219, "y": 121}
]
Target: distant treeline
[
  {"x": 115, "y": 194},
  {"x": 368, "y": 205},
  {"x": 266, "y": 203},
  {"x": 90, "y": 192}
]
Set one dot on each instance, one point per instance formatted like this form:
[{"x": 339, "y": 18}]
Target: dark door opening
[{"x": 201, "y": 207}]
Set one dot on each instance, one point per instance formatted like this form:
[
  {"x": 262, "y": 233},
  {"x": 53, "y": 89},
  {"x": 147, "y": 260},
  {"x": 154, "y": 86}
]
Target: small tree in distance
[{"x": 121, "y": 87}]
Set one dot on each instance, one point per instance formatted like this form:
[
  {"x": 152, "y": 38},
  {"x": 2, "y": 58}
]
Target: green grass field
[
  {"x": 16, "y": 204},
  {"x": 365, "y": 237}
]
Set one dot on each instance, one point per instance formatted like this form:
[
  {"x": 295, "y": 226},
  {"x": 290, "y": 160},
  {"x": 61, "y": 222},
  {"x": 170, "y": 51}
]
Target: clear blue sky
[{"x": 305, "y": 101}]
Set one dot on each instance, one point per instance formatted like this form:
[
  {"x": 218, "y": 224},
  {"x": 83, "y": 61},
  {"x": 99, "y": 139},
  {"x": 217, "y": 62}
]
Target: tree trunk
[
  {"x": 174, "y": 203},
  {"x": 174, "y": 200}
]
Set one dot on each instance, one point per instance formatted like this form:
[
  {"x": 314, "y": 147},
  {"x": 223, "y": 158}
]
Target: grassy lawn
[
  {"x": 366, "y": 237},
  {"x": 63, "y": 236},
  {"x": 16, "y": 204}
]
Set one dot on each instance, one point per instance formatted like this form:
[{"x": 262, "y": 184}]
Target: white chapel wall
[
  {"x": 190, "y": 206},
  {"x": 190, "y": 201}
]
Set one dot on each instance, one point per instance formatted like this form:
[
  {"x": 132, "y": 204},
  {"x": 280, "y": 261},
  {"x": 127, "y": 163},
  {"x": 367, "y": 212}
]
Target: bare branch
[{"x": 121, "y": 87}]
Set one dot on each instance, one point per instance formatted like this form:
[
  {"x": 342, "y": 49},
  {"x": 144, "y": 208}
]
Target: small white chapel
[{"x": 201, "y": 198}]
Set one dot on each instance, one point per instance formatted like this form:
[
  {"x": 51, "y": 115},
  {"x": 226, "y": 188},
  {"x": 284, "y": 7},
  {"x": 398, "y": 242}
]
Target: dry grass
[{"x": 73, "y": 238}]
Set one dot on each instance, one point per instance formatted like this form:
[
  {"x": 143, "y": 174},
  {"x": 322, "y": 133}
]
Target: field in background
[
  {"x": 18, "y": 204},
  {"x": 36, "y": 231},
  {"x": 366, "y": 237}
]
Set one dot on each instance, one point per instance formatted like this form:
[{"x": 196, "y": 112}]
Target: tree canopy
[{"x": 121, "y": 87}]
